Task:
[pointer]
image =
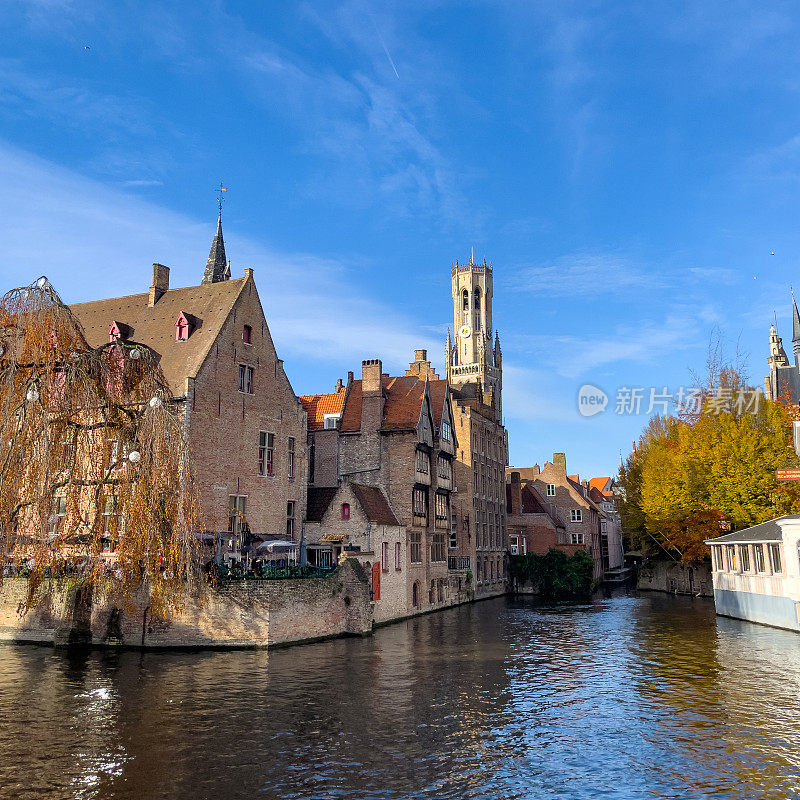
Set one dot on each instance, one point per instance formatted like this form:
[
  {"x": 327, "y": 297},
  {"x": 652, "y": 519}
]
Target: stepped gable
[{"x": 154, "y": 325}]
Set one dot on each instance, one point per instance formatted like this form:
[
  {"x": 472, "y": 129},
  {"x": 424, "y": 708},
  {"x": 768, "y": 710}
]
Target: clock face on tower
[{"x": 464, "y": 331}]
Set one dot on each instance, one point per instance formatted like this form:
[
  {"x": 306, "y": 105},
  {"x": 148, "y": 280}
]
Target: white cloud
[
  {"x": 585, "y": 273},
  {"x": 639, "y": 342},
  {"x": 95, "y": 241}
]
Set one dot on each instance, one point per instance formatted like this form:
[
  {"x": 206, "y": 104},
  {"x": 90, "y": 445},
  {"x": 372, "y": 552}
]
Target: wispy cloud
[
  {"x": 93, "y": 240},
  {"x": 141, "y": 183},
  {"x": 585, "y": 274},
  {"x": 636, "y": 343}
]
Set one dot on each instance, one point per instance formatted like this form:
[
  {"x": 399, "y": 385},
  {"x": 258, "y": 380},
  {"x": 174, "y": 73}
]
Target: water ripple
[{"x": 625, "y": 698}]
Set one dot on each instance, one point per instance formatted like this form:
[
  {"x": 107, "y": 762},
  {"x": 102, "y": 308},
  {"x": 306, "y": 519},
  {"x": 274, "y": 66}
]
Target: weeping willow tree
[{"x": 94, "y": 477}]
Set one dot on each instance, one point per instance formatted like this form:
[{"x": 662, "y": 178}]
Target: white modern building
[{"x": 756, "y": 573}]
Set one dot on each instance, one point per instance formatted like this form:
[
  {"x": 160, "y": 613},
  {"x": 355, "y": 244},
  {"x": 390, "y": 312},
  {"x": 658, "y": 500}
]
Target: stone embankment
[
  {"x": 676, "y": 578},
  {"x": 259, "y": 613}
]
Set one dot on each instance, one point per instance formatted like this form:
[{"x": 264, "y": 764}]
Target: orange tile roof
[
  {"x": 318, "y": 405},
  {"x": 402, "y": 406},
  {"x": 599, "y": 483}
]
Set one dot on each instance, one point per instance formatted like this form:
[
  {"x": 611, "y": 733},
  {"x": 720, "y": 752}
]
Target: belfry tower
[{"x": 471, "y": 358}]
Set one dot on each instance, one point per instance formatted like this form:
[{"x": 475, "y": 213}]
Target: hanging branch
[{"x": 92, "y": 458}]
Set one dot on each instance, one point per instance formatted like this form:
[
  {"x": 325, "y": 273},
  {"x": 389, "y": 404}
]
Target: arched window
[
  {"x": 415, "y": 594},
  {"x": 465, "y": 300},
  {"x": 477, "y": 325},
  {"x": 480, "y": 573},
  {"x": 246, "y": 334},
  {"x": 345, "y": 510},
  {"x": 432, "y": 592}
]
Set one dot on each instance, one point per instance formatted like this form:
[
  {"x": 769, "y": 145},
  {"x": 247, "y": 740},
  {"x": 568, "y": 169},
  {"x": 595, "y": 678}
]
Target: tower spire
[
  {"x": 217, "y": 262},
  {"x": 795, "y": 331}
]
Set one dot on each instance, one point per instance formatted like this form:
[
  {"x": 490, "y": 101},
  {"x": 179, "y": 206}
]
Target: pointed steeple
[
  {"x": 795, "y": 331},
  {"x": 217, "y": 262}
]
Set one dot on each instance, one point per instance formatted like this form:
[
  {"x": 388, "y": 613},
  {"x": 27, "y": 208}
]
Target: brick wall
[
  {"x": 224, "y": 426},
  {"x": 251, "y": 614}
]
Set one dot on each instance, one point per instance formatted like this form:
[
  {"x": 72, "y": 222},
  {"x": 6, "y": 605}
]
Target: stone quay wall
[
  {"x": 260, "y": 613},
  {"x": 670, "y": 576}
]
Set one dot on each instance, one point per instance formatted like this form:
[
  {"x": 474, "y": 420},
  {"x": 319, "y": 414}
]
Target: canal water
[{"x": 645, "y": 696}]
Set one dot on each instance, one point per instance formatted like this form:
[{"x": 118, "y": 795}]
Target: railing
[{"x": 458, "y": 562}]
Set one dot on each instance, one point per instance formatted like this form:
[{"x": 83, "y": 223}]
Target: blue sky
[{"x": 628, "y": 167}]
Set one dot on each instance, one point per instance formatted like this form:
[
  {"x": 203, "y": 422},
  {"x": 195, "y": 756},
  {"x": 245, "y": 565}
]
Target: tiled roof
[
  {"x": 318, "y": 501},
  {"x": 599, "y": 483},
  {"x": 154, "y": 326},
  {"x": 375, "y": 505},
  {"x": 534, "y": 503},
  {"x": 769, "y": 531},
  {"x": 437, "y": 390},
  {"x": 318, "y": 405},
  {"x": 402, "y": 406}
]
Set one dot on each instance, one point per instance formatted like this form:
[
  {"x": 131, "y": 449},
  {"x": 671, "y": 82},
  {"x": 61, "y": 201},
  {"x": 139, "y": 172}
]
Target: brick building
[
  {"x": 354, "y": 519},
  {"x": 245, "y": 427},
  {"x": 395, "y": 434},
  {"x": 581, "y": 515},
  {"x": 601, "y": 491},
  {"x": 534, "y": 524},
  {"x": 475, "y": 375}
]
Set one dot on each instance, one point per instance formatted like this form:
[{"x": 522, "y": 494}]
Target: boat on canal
[{"x": 756, "y": 573}]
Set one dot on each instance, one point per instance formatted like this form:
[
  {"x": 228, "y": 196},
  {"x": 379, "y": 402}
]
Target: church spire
[
  {"x": 217, "y": 263},
  {"x": 795, "y": 331}
]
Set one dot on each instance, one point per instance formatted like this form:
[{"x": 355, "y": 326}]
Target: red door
[{"x": 376, "y": 580}]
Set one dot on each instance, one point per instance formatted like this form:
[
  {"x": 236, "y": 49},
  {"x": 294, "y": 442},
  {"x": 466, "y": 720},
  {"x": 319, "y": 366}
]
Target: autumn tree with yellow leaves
[
  {"x": 94, "y": 479},
  {"x": 709, "y": 470}
]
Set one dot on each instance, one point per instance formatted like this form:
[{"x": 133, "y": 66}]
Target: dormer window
[
  {"x": 118, "y": 330},
  {"x": 183, "y": 328},
  {"x": 247, "y": 332}
]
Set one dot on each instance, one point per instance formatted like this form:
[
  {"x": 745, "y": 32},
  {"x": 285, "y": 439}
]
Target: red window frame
[{"x": 345, "y": 511}]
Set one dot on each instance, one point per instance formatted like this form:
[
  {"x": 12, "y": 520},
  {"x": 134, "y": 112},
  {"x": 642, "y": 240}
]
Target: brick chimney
[
  {"x": 160, "y": 283},
  {"x": 516, "y": 494},
  {"x": 560, "y": 462},
  {"x": 371, "y": 395}
]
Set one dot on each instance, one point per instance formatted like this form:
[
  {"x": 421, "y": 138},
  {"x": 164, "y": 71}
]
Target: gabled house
[
  {"x": 581, "y": 515},
  {"x": 354, "y": 518},
  {"x": 534, "y": 524},
  {"x": 395, "y": 434},
  {"x": 245, "y": 426}
]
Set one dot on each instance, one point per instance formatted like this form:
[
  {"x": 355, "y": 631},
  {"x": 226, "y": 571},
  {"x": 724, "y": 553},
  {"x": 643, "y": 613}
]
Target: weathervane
[{"x": 221, "y": 196}]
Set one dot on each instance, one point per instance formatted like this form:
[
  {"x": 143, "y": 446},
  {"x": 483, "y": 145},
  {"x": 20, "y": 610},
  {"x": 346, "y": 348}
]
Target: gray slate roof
[{"x": 768, "y": 531}]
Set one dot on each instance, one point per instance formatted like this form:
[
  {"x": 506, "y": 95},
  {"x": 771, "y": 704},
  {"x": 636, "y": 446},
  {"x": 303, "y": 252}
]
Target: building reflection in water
[{"x": 625, "y": 697}]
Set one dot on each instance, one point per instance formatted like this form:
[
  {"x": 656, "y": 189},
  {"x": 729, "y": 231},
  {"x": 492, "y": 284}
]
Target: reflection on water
[{"x": 628, "y": 697}]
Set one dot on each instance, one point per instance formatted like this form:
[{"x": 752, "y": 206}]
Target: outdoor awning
[{"x": 275, "y": 547}]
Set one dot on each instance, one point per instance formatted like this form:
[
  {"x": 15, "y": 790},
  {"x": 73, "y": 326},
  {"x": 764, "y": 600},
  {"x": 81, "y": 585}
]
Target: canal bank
[{"x": 625, "y": 698}]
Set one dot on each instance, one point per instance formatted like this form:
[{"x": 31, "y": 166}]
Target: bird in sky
[
  {"x": 772, "y": 253},
  {"x": 86, "y": 47}
]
